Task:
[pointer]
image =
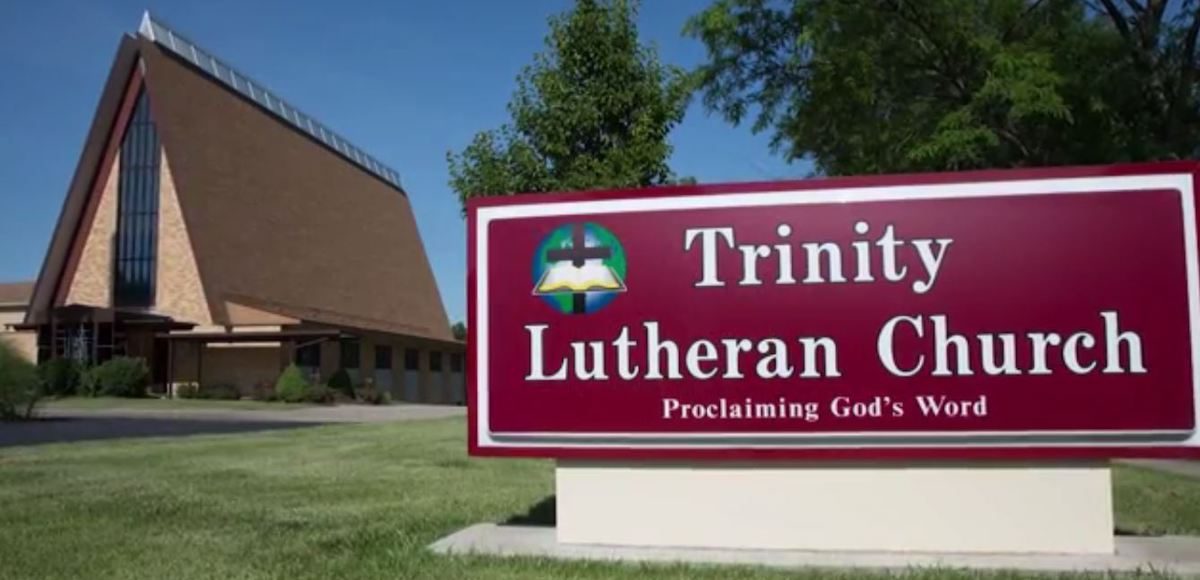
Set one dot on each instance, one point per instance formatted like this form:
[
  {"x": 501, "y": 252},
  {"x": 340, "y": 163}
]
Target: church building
[{"x": 220, "y": 233}]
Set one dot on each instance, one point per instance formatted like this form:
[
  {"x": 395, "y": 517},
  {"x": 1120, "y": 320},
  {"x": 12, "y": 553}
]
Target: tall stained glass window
[{"x": 137, "y": 210}]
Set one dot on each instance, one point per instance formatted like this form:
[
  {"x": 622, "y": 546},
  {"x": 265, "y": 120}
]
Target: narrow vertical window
[{"x": 137, "y": 210}]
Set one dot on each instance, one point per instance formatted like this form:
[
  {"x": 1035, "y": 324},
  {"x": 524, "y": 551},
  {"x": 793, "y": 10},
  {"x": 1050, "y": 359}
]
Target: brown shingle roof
[
  {"x": 231, "y": 78},
  {"x": 16, "y": 292},
  {"x": 275, "y": 216}
]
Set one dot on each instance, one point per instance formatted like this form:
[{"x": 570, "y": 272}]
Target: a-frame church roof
[{"x": 283, "y": 214}]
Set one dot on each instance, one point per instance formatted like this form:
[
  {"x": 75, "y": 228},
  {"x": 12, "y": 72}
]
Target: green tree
[
  {"x": 20, "y": 388},
  {"x": 592, "y": 111},
  {"x": 871, "y": 86},
  {"x": 459, "y": 330}
]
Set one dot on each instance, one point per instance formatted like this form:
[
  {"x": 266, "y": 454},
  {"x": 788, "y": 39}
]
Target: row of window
[
  {"x": 84, "y": 343},
  {"x": 310, "y": 356}
]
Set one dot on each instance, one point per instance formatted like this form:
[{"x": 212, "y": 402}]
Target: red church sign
[{"x": 1047, "y": 313}]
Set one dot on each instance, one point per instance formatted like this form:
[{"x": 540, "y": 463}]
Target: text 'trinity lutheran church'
[{"x": 219, "y": 233}]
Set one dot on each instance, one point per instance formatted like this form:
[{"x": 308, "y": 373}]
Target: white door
[
  {"x": 384, "y": 381},
  {"x": 412, "y": 380}
]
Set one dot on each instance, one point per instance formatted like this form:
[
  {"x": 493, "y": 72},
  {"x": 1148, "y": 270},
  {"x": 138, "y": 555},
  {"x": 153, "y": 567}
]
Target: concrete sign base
[
  {"x": 976, "y": 507},
  {"x": 1165, "y": 555}
]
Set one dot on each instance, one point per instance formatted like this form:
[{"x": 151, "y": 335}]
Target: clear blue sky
[{"x": 405, "y": 81}]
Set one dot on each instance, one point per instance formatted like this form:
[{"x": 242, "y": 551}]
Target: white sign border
[{"x": 484, "y": 216}]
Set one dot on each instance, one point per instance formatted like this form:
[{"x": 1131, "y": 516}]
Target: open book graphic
[{"x": 564, "y": 277}]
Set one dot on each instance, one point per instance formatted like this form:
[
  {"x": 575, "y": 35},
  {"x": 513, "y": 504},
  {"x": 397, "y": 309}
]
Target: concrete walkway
[
  {"x": 313, "y": 414},
  {"x": 1177, "y": 554},
  {"x": 68, "y": 425}
]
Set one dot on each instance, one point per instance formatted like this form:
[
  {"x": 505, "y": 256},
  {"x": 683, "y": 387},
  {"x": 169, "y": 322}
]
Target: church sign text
[{"x": 1048, "y": 313}]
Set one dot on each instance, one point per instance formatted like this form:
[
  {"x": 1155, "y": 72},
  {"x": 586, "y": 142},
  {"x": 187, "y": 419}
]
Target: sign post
[{"x": 941, "y": 362}]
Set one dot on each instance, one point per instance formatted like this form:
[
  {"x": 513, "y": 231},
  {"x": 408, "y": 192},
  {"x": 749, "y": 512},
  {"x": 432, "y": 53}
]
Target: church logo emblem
[{"x": 579, "y": 268}]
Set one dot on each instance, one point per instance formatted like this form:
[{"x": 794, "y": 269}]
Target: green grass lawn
[
  {"x": 156, "y": 403},
  {"x": 1152, "y": 502},
  {"x": 347, "y": 501}
]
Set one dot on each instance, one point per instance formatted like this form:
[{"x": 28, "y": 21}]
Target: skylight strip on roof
[{"x": 211, "y": 66}]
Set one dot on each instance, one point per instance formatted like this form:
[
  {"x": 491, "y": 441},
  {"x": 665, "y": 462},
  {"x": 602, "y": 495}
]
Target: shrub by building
[
  {"x": 292, "y": 387},
  {"x": 118, "y": 377},
  {"x": 20, "y": 387},
  {"x": 60, "y": 376}
]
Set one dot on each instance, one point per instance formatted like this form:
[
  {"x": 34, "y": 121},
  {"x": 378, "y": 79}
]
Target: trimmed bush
[
  {"x": 20, "y": 388},
  {"x": 187, "y": 391},
  {"x": 219, "y": 391},
  {"x": 60, "y": 377},
  {"x": 292, "y": 387},
  {"x": 340, "y": 382},
  {"x": 119, "y": 377},
  {"x": 264, "y": 391},
  {"x": 370, "y": 395},
  {"x": 321, "y": 394},
  {"x": 87, "y": 383}
]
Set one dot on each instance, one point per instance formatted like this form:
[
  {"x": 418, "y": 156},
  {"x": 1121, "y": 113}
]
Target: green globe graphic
[{"x": 579, "y": 268}]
